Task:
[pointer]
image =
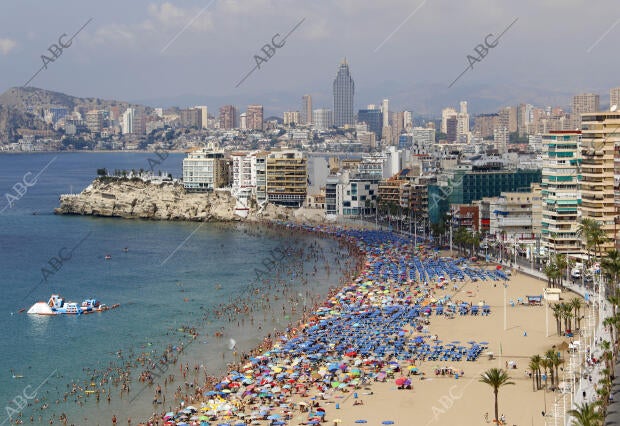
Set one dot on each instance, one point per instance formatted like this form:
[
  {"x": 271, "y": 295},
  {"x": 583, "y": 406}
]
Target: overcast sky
[{"x": 195, "y": 52}]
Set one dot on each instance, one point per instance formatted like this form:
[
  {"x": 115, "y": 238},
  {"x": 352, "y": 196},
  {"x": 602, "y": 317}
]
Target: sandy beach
[
  {"x": 444, "y": 400},
  {"x": 370, "y": 352}
]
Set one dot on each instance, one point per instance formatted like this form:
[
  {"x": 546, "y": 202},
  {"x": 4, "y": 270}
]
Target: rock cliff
[{"x": 137, "y": 199}]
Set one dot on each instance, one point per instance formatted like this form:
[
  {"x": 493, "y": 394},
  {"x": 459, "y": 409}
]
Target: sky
[{"x": 185, "y": 53}]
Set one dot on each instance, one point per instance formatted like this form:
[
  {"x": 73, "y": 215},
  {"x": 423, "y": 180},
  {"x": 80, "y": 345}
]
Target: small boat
[
  {"x": 16, "y": 376},
  {"x": 108, "y": 257},
  {"x": 59, "y": 306}
]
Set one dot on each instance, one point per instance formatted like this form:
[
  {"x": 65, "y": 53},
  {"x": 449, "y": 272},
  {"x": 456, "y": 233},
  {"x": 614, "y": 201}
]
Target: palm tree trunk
[{"x": 496, "y": 407}]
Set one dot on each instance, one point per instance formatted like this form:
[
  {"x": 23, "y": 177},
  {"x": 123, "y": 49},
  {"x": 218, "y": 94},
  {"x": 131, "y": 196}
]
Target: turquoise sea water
[{"x": 171, "y": 275}]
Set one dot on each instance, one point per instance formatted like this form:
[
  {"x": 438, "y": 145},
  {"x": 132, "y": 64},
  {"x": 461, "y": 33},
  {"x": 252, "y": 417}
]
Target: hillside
[
  {"x": 23, "y": 97},
  {"x": 12, "y": 119},
  {"x": 22, "y": 107}
]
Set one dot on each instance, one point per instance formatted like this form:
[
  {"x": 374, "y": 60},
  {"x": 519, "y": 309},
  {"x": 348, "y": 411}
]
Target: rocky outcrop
[{"x": 137, "y": 199}]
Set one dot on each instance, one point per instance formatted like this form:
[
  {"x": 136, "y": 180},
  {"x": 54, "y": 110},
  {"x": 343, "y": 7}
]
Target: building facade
[
  {"x": 373, "y": 118},
  {"x": 205, "y": 169},
  {"x": 286, "y": 178},
  {"x": 582, "y": 104},
  {"x": 306, "y": 110},
  {"x": 560, "y": 192},
  {"x": 600, "y": 135},
  {"x": 254, "y": 117},
  {"x": 322, "y": 119},
  {"x": 344, "y": 91},
  {"x": 228, "y": 117}
]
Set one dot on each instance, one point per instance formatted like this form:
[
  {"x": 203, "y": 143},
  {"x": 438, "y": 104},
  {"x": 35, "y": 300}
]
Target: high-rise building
[
  {"x": 287, "y": 178},
  {"x": 407, "y": 119},
  {"x": 484, "y": 124},
  {"x": 191, "y": 118},
  {"x": 507, "y": 119},
  {"x": 204, "y": 115},
  {"x": 322, "y": 119},
  {"x": 560, "y": 192},
  {"x": 451, "y": 129},
  {"x": 398, "y": 123},
  {"x": 583, "y": 103},
  {"x": 228, "y": 117},
  {"x": 525, "y": 116},
  {"x": 385, "y": 109},
  {"x": 254, "y": 117},
  {"x": 205, "y": 169},
  {"x": 462, "y": 125},
  {"x": 600, "y": 134},
  {"x": 127, "y": 121},
  {"x": 139, "y": 121},
  {"x": 445, "y": 114},
  {"x": 94, "y": 121},
  {"x": 373, "y": 118},
  {"x": 243, "y": 121},
  {"x": 344, "y": 90},
  {"x": 291, "y": 117},
  {"x": 614, "y": 97},
  {"x": 306, "y": 109}
]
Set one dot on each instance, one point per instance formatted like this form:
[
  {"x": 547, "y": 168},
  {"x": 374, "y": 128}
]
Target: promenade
[{"x": 586, "y": 376}]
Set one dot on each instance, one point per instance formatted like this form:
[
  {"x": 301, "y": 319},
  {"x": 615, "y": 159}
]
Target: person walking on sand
[{"x": 486, "y": 417}]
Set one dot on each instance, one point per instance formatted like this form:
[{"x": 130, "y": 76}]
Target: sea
[{"x": 166, "y": 277}]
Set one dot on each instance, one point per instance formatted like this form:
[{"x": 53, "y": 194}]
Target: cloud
[
  {"x": 6, "y": 45},
  {"x": 163, "y": 21}
]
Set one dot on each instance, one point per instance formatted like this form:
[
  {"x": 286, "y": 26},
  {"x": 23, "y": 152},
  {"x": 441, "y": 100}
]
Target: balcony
[{"x": 515, "y": 221}]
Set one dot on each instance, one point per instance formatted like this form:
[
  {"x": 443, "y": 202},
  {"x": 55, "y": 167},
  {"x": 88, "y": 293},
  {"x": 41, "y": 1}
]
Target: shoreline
[
  {"x": 271, "y": 345},
  {"x": 189, "y": 340}
]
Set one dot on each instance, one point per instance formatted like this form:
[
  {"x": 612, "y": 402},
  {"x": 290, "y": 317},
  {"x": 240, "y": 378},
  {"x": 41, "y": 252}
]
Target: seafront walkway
[{"x": 576, "y": 367}]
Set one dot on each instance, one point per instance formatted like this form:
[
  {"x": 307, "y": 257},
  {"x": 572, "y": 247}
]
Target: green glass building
[{"x": 466, "y": 185}]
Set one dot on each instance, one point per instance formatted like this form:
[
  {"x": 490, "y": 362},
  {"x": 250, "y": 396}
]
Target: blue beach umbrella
[
  {"x": 387, "y": 422},
  {"x": 361, "y": 421}
]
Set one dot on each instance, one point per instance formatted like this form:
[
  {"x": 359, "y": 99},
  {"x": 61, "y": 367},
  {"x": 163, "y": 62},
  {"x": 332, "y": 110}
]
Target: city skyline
[{"x": 162, "y": 54}]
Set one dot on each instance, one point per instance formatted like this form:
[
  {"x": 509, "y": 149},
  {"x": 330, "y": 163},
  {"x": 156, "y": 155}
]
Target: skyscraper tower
[
  {"x": 344, "y": 89},
  {"x": 306, "y": 109},
  {"x": 385, "y": 109}
]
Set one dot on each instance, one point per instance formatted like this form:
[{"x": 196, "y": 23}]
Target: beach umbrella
[
  {"x": 387, "y": 422},
  {"x": 361, "y": 421},
  {"x": 401, "y": 381},
  {"x": 484, "y": 343}
]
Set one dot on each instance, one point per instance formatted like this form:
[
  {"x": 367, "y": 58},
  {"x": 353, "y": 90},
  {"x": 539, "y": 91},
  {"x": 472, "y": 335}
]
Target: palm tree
[
  {"x": 551, "y": 271},
  {"x": 534, "y": 368},
  {"x": 557, "y": 314},
  {"x": 587, "y": 229},
  {"x": 555, "y": 361},
  {"x": 610, "y": 265},
  {"x": 576, "y": 303},
  {"x": 561, "y": 264},
  {"x": 535, "y": 361},
  {"x": 496, "y": 378},
  {"x": 567, "y": 313},
  {"x": 585, "y": 415}
]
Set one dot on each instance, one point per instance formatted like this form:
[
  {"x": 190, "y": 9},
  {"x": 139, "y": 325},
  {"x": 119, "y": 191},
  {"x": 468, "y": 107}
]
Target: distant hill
[
  {"x": 12, "y": 119},
  {"x": 22, "y": 107},
  {"x": 24, "y": 97}
]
